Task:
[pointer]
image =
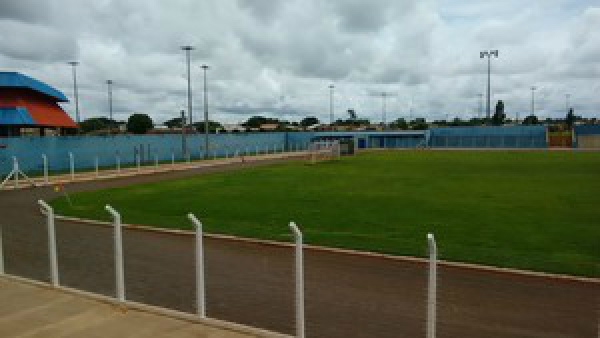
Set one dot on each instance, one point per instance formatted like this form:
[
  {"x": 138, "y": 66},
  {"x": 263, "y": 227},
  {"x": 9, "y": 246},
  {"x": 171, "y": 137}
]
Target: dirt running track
[{"x": 252, "y": 284}]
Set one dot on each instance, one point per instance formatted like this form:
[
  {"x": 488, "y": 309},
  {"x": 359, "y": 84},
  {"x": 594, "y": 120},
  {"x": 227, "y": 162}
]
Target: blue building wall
[
  {"x": 489, "y": 137},
  {"x": 380, "y": 139},
  {"x": 587, "y": 130}
]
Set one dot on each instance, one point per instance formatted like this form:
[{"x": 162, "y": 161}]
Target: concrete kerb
[
  {"x": 369, "y": 254},
  {"x": 124, "y": 306}
]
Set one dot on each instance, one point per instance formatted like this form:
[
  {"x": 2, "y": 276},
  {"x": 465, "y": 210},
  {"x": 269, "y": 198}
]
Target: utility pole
[
  {"x": 74, "y": 66},
  {"x": 488, "y": 54},
  {"x": 204, "y": 68}
]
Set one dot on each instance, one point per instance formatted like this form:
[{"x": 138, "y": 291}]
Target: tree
[
  {"x": 213, "y": 126},
  {"x": 97, "y": 123},
  {"x": 352, "y": 114},
  {"x": 309, "y": 121},
  {"x": 175, "y": 122},
  {"x": 531, "y": 120},
  {"x": 418, "y": 124},
  {"x": 257, "y": 121},
  {"x": 499, "y": 115},
  {"x": 399, "y": 124},
  {"x": 139, "y": 123},
  {"x": 570, "y": 118}
]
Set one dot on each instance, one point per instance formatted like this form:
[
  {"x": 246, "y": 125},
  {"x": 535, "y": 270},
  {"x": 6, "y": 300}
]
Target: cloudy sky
[{"x": 277, "y": 58}]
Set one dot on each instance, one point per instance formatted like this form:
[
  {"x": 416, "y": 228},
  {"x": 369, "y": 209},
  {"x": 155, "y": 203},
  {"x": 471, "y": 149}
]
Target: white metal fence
[{"x": 300, "y": 320}]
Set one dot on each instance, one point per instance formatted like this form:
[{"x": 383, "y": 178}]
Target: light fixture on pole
[
  {"x": 331, "y": 87},
  {"x": 204, "y": 69},
  {"x": 488, "y": 54},
  {"x": 74, "y": 65},
  {"x": 533, "y": 88}
]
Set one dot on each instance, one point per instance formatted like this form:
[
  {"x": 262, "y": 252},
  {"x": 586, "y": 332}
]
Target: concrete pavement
[{"x": 35, "y": 310}]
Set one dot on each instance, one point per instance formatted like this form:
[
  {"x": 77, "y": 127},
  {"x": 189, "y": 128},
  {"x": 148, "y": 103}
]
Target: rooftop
[{"x": 18, "y": 80}]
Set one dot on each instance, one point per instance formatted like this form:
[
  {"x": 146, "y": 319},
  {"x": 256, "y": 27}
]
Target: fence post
[
  {"x": 432, "y": 287},
  {"x": 72, "y": 164},
  {"x": 45, "y": 160},
  {"x": 172, "y": 159},
  {"x": 96, "y": 163},
  {"x": 137, "y": 160},
  {"x": 1, "y": 253},
  {"x": 299, "y": 267},
  {"x": 51, "y": 242},
  {"x": 118, "y": 247},
  {"x": 156, "y": 160},
  {"x": 200, "y": 285}
]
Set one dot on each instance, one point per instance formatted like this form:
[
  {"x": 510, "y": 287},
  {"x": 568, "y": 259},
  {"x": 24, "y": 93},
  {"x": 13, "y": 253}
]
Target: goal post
[{"x": 324, "y": 150}]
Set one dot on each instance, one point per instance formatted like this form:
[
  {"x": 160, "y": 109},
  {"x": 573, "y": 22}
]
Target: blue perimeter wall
[
  {"x": 489, "y": 137},
  {"x": 29, "y": 150}
]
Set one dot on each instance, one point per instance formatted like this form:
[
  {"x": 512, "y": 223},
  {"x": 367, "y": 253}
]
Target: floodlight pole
[
  {"x": 187, "y": 50},
  {"x": 183, "y": 142},
  {"x": 533, "y": 88},
  {"x": 383, "y": 112},
  {"x": 110, "y": 107},
  {"x": 204, "y": 69},
  {"x": 331, "y": 87},
  {"x": 480, "y": 95},
  {"x": 488, "y": 54},
  {"x": 74, "y": 67}
]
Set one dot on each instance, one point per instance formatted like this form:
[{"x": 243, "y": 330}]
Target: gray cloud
[{"x": 278, "y": 57}]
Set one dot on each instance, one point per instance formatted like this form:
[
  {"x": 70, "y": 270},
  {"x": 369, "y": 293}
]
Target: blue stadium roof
[{"x": 18, "y": 80}]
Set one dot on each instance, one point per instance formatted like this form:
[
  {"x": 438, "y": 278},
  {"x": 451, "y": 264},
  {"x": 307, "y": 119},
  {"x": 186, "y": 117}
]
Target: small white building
[{"x": 233, "y": 128}]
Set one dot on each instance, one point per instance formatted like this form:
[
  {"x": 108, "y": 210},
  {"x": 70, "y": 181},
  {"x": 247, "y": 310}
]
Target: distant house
[
  {"x": 233, "y": 128},
  {"x": 269, "y": 126}
]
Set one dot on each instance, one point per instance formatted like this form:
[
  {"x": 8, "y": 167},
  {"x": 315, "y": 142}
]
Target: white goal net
[{"x": 323, "y": 150}]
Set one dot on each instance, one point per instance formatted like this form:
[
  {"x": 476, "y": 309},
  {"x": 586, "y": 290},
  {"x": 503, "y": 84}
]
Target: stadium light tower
[
  {"x": 204, "y": 69},
  {"x": 488, "y": 54},
  {"x": 110, "y": 106},
  {"x": 383, "y": 112},
  {"x": 331, "y": 87},
  {"x": 187, "y": 50},
  {"x": 74, "y": 65},
  {"x": 533, "y": 88}
]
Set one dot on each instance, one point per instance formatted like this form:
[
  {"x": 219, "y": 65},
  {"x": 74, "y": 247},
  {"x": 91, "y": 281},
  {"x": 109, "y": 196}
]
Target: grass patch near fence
[{"x": 528, "y": 210}]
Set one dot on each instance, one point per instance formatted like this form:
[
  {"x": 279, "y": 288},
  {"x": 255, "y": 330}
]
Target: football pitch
[{"x": 529, "y": 210}]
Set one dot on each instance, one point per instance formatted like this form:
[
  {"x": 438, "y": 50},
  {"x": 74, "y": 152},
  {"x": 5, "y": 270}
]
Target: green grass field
[{"x": 530, "y": 210}]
